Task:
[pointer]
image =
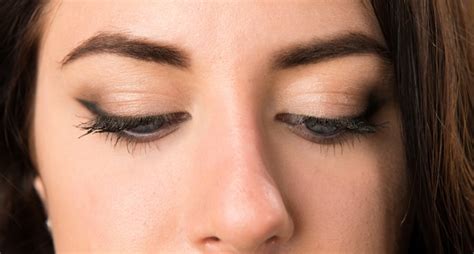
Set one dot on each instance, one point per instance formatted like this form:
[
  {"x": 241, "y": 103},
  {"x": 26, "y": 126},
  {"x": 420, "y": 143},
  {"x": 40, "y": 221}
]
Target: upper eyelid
[
  {"x": 104, "y": 120},
  {"x": 300, "y": 118},
  {"x": 356, "y": 123},
  {"x": 91, "y": 106},
  {"x": 135, "y": 121},
  {"x": 95, "y": 109},
  {"x": 113, "y": 124},
  {"x": 296, "y": 118}
]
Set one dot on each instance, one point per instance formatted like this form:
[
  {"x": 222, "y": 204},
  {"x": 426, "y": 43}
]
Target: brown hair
[
  {"x": 434, "y": 69},
  {"x": 432, "y": 52},
  {"x": 21, "y": 213}
]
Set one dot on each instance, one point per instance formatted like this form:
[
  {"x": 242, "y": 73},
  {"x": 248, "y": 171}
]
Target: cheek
[{"x": 118, "y": 203}]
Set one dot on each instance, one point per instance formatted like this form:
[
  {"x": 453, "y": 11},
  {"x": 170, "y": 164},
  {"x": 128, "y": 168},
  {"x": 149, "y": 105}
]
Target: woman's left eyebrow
[{"x": 319, "y": 50}]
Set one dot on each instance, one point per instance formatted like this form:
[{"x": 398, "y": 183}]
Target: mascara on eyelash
[
  {"x": 118, "y": 124},
  {"x": 353, "y": 124},
  {"x": 104, "y": 122},
  {"x": 109, "y": 123},
  {"x": 356, "y": 124}
]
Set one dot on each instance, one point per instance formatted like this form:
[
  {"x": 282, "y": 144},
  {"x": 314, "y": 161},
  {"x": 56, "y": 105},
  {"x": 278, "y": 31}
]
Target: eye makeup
[
  {"x": 149, "y": 128},
  {"x": 136, "y": 129},
  {"x": 325, "y": 131}
]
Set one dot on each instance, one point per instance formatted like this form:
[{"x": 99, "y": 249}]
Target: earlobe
[{"x": 39, "y": 187}]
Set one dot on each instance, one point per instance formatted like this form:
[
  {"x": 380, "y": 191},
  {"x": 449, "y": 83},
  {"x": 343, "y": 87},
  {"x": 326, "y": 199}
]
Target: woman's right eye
[
  {"x": 138, "y": 129},
  {"x": 155, "y": 127},
  {"x": 147, "y": 128}
]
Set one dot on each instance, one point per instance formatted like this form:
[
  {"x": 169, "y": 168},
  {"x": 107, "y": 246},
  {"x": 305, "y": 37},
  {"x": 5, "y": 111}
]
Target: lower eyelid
[
  {"x": 171, "y": 122},
  {"x": 146, "y": 138},
  {"x": 339, "y": 139},
  {"x": 296, "y": 124},
  {"x": 302, "y": 130}
]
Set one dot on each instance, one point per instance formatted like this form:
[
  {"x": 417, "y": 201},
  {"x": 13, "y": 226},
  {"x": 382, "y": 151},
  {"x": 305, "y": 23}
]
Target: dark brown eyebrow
[
  {"x": 127, "y": 46},
  {"x": 300, "y": 54},
  {"x": 319, "y": 50}
]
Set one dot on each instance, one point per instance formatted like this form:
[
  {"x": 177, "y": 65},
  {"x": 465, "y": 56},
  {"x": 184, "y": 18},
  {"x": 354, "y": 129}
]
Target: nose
[{"x": 238, "y": 207}]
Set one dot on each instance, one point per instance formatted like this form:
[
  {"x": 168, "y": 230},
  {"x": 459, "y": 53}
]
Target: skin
[{"x": 231, "y": 179}]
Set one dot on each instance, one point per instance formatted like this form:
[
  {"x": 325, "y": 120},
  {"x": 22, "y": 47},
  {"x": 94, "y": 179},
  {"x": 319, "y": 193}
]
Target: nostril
[
  {"x": 211, "y": 240},
  {"x": 212, "y": 243},
  {"x": 272, "y": 240}
]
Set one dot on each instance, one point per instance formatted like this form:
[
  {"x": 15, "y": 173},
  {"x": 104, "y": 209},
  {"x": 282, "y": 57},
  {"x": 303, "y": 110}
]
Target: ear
[{"x": 39, "y": 187}]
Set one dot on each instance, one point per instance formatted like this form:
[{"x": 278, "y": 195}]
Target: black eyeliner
[
  {"x": 104, "y": 122},
  {"x": 91, "y": 106},
  {"x": 357, "y": 124}
]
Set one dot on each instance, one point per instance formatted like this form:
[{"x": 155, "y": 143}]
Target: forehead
[{"x": 207, "y": 29}]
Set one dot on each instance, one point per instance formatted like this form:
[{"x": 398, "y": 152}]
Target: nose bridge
[
  {"x": 240, "y": 135},
  {"x": 243, "y": 207},
  {"x": 235, "y": 121},
  {"x": 240, "y": 160},
  {"x": 240, "y": 151}
]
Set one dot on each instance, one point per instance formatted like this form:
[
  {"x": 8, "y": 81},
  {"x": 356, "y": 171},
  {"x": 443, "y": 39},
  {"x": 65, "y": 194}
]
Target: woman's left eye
[{"x": 324, "y": 130}]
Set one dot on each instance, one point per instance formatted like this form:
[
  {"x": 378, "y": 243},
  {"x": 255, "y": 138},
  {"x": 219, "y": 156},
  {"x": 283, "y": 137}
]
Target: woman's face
[{"x": 239, "y": 127}]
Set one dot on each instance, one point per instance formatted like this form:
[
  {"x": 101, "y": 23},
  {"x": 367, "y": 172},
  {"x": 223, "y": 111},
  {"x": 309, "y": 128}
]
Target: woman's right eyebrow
[
  {"x": 128, "y": 46},
  {"x": 305, "y": 53}
]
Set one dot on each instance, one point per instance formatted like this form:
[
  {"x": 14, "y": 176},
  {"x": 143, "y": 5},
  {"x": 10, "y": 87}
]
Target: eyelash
[
  {"x": 121, "y": 127},
  {"x": 340, "y": 130},
  {"x": 124, "y": 125}
]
